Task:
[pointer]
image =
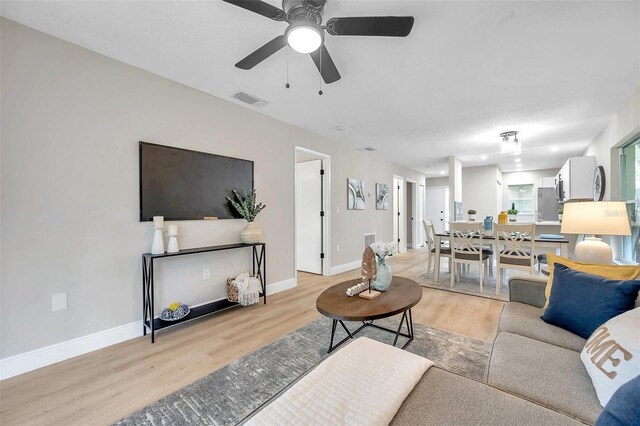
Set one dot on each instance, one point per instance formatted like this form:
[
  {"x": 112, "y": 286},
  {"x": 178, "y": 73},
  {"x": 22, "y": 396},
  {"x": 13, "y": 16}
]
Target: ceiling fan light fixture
[{"x": 304, "y": 37}]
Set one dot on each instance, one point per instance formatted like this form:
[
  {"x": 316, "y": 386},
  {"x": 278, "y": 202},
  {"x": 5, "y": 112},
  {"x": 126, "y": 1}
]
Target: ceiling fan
[{"x": 305, "y": 33}]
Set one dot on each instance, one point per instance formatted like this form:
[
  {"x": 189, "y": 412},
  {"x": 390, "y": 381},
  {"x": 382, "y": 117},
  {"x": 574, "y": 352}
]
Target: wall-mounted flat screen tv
[{"x": 180, "y": 184}]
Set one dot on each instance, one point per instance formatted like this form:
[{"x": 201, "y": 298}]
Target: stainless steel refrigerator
[{"x": 548, "y": 205}]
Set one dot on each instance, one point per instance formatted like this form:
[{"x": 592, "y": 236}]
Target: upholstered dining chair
[
  {"x": 430, "y": 233},
  {"x": 467, "y": 248},
  {"x": 515, "y": 244}
]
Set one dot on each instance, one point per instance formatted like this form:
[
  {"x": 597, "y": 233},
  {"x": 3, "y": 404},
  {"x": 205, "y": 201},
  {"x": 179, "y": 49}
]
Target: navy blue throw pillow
[
  {"x": 581, "y": 302},
  {"x": 623, "y": 408}
]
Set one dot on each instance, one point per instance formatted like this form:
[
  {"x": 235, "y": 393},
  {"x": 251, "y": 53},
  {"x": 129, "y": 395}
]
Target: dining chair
[
  {"x": 515, "y": 244},
  {"x": 430, "y": 233},
  {"x": 467, "y": 248}
]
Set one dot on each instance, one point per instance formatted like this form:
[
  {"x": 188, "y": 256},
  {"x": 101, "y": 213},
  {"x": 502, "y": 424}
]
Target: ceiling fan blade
[
  {"x": 262, "y": 53},
  {"x": 384, "y": 26},
  {"x": 328, "y": 69},
  {"x": 261, "y": 8}
]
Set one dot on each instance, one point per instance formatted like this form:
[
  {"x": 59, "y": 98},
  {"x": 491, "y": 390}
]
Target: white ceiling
[{"x": 555, "y": 71}]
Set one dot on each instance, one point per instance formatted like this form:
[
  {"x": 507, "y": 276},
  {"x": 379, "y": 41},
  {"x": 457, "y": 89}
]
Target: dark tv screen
[{"x": 180, "y": 184}]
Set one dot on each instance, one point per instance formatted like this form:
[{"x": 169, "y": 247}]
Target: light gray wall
[
  {"x": 71, "y": 122},
  {"x": 480, "y": 191},
  {"x": 439, "y": 181},
  {"x": 455, "y": 186},
  {"x": 622, "y": 127}
]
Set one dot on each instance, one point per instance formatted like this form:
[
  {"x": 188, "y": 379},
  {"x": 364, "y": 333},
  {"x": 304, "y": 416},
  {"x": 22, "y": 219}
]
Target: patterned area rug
[{"x": 230, "y": 394}]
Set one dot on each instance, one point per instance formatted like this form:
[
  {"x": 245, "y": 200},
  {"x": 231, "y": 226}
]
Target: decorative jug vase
[
  {"x": 502, "y": 218},
  {"x": 488, "y": 223},
  {"x": 250, "y": 234},
  {"x": 383, "y": 275}
]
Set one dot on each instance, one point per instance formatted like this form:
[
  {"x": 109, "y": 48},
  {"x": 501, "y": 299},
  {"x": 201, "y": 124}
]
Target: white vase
[
  {"x": 513, "y": 218},
  {"x": 173, "y": 244},
  {"x": 157, "y": 246},
  {"x": 250, "y": 234},
  {"x": 472, "y": 217}
]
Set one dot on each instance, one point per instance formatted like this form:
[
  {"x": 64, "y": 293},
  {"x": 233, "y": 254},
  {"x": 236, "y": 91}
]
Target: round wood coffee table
[{"x": 403, "y": 295}]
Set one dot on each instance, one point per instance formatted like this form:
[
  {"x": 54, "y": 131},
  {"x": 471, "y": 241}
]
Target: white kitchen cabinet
[{"x": 575, "y": 180}]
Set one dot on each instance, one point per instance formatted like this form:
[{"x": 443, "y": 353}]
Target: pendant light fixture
[{"x": 510, "y": 146}]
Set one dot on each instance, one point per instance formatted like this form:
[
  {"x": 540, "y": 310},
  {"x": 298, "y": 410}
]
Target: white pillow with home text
[{"x": 612, "y": 354}]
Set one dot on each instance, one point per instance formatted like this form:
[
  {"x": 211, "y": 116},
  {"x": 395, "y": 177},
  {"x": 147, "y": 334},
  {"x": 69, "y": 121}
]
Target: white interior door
[
  {"x": 436, "y": 207},
  {"x": 308, "y": 219}
]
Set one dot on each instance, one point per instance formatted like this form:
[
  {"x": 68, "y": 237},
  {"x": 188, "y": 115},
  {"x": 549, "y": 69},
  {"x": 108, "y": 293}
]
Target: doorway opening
[
  {"x": 414, "y": 215},
  {"x": 399, "y": 213},
  {"x": 312, "y": 211}
]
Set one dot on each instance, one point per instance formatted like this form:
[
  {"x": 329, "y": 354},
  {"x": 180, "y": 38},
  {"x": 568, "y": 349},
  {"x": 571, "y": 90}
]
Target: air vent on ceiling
[
  {"x": 250, "y": 99},
  {"x": 367, "y": 148}
]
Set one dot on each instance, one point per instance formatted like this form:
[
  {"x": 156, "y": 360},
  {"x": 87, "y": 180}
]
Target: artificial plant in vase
[
  {"x": 383, "y": 271},
  {"x": 247, "y": 208},
  {"x": 512, "y": 212},
  {"x": 472, "y": 215}
]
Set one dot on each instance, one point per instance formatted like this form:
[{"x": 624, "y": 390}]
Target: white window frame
[{"x": 511, "y": 200}]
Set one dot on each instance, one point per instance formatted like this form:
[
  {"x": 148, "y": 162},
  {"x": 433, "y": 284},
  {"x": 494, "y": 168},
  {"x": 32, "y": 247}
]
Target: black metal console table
[{"x": 148, "y": 294}]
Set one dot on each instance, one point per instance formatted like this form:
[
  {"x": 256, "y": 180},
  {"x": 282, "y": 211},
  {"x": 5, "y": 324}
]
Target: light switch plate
[{"x": 59, "y": 302}]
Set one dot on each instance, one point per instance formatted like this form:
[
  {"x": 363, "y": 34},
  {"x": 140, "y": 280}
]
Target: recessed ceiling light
[
  {"x": 554, "y": 149},
  {"x": 339, "y": 127},
  {"x": 441, "y": 172},
  {"x": 517, "y": 160},
  {"x": 484, "y": 157}
]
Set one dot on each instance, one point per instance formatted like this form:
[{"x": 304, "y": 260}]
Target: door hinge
[
  {"x": 322, "y": 213},
  {"x": 322, "y": 172},
  {"x": 321, "y": 255},
  {"x": 398, "y": 213},
  {"x": 398, "y": 239}
]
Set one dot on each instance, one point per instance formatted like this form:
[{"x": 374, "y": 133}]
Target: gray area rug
[{"x": 228, "y": 395}]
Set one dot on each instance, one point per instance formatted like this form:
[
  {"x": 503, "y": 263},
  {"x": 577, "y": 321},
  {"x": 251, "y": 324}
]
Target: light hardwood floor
[{"x": 105, "y": 385}]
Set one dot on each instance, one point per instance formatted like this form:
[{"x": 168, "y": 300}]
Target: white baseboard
[
  {"x": 274, "y": 288},
  {"x": 38, "y": 358},
  {"x": 346, "y": 267},
  {"x": 28, "y": 361}
]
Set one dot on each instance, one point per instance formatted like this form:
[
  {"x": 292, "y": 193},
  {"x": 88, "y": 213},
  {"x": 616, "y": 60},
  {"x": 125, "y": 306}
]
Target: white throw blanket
[
  {"x": 363, "y": 383},
  {"x": 248, "y": 289}
]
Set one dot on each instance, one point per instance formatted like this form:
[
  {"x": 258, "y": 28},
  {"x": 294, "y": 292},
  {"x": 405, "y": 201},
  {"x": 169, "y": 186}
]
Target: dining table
[{"x": 545, "y": 241}]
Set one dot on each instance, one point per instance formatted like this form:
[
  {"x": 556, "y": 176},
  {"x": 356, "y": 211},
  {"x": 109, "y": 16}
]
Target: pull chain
[
  {"x": 320, "y": 91},
  {"x": 287, "y": 85}
]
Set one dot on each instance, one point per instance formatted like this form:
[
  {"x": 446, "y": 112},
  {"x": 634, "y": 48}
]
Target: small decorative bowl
[{"x": 178, "y": 314}]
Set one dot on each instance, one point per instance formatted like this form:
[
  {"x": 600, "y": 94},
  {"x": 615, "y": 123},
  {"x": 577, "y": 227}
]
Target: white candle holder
[
  {"x": 172, "y": 247},
  {"x": 157, "y": 247}
]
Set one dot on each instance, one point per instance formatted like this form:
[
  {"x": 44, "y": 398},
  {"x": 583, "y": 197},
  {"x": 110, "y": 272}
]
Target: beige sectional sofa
[{"x": 534, "y": 376}]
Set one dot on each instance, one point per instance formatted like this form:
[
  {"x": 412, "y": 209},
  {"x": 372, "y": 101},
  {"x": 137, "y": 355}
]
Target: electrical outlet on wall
[
  {"x": 206, "y": 274},
  {"x": 59, "y": 302}
]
